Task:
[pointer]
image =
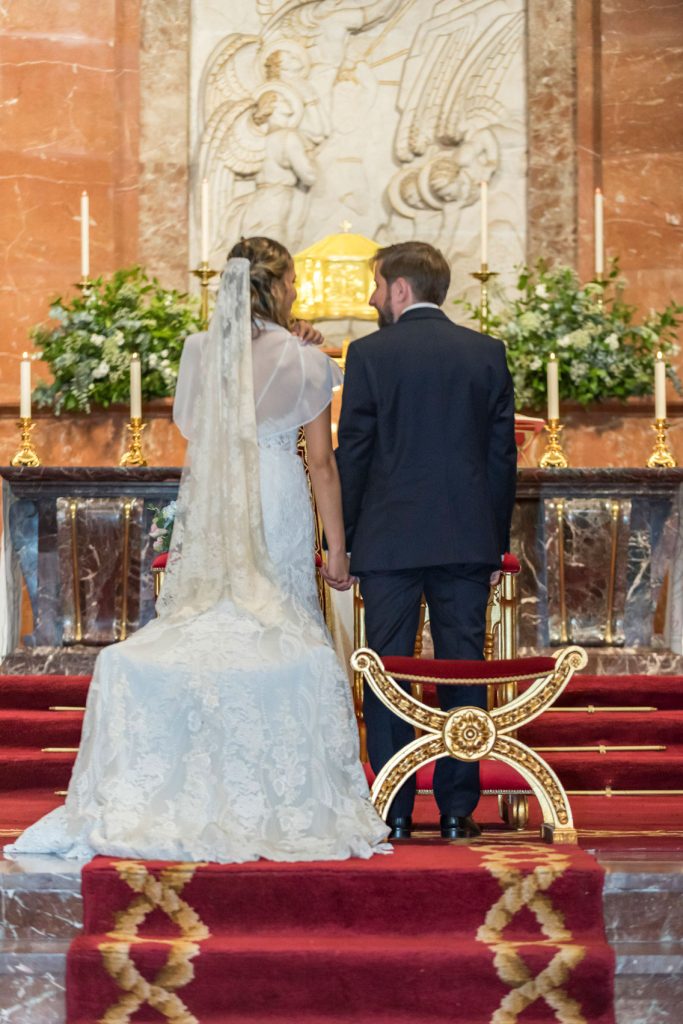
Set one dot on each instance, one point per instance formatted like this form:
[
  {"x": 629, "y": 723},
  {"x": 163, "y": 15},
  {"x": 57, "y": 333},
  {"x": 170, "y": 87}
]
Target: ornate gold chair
[
  {"x": 470, "y": 733},
  {"x": 500, "y": 643}
]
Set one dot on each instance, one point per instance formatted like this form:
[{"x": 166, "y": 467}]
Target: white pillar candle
[
  {"x": 135, "y": 387},
  {"x": 660, "y": 387},
  {"x": 552, "y": 371},
  {"x": 204, "y": 211},
  {"x": 25, "y": 387},
  {"x": 85, "y": 236},
  {"x": 599, "y": 235},
  {"x": 484, "y": 222}
]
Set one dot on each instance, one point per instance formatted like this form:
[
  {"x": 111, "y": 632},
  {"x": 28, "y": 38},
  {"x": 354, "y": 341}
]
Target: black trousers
[{"x": 457, "y": 597}]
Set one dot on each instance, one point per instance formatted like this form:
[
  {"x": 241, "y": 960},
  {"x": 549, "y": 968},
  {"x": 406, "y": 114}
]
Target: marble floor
[{"x": 41, "y": 911}]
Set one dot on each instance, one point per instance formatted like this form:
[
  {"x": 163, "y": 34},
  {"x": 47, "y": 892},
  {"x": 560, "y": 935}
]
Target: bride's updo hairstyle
[{"x": 269, "y": 261}]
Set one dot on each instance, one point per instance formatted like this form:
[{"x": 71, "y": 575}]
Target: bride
[{"x": 224, "y": 729}]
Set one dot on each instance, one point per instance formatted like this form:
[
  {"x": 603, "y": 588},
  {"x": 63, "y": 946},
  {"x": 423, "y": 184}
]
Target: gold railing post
[
  {"x": 78, "y": 618},
  {"x": 125, "y": 560}
]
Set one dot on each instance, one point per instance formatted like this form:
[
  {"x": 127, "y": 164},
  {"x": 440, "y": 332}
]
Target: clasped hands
[{"x": 335, "y": 571}]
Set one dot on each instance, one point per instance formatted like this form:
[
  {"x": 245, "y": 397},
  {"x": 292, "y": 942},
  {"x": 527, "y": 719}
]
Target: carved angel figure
[
  {"x": 266, "y": 106},
  {"x": 452, "y": 115}
]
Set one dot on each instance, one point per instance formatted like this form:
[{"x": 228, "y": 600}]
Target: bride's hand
[
  {"x": 336, "y": 571},
  {"x": 309, "y": 334}
]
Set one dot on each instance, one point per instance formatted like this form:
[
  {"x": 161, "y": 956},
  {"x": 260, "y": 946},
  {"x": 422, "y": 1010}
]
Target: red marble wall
[
  {"x": 630, "y": 140},
  {"x": 69, "y": 120},
  {"x": 93, "y": 95}
]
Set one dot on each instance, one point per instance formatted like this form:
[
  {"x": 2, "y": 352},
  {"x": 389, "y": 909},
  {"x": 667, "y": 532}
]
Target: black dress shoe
[
  {"x": 458, "y": 827},
  {"x": 400, "y": 827}
]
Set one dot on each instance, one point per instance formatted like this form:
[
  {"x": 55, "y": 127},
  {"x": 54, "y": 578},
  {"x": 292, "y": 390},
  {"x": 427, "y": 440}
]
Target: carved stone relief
[{"x": 385, "y": 113}]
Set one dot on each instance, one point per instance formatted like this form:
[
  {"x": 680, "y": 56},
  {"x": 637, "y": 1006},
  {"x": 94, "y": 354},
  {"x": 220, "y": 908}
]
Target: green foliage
[
  {"x": 602, "y": 351},
  {"x": 90, "y": 347}
]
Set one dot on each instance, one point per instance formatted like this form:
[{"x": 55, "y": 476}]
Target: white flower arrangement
[
  {"x": 602, "y": 351},
  {"x": 90, "y": 347}
]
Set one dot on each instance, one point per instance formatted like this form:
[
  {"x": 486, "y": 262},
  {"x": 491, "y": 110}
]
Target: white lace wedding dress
[{"x": 224, "y": 729}]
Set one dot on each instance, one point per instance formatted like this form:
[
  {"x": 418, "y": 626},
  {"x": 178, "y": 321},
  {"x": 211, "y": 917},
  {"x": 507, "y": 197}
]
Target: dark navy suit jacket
[{"x": 427, "y": 453}]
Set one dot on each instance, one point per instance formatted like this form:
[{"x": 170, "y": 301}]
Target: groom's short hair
[{"x": 419, "y": 263}]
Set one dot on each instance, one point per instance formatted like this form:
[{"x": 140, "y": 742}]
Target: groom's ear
[{"x": 402, "y": 291}]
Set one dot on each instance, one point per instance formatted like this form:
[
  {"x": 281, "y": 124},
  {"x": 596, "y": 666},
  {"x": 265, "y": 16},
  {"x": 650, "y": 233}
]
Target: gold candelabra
[
  {"x": 26, "y": 454},
  {"x": 553, "y": 457},
  {"x": 134, "y": 456},
  {"x": 204, "y": 273},
  {"x": 662, "y": 457},
  {"x": 483, "y": 276}
]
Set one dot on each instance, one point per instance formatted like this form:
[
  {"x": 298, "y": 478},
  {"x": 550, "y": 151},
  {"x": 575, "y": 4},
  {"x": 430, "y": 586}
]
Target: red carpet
[{"x": 433, "y": 933}]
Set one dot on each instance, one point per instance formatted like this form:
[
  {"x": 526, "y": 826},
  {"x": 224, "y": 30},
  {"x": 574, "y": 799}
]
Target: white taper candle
[
  {"x": 599, "y": 234},
  {"x": 484, "y": 222},
  {"x": 85, "y": 236},
  {"x": 552, "y": 372},
  {"x": 25, "y": 387},
  {"x": 135, "y": 387},
  {"x": 204, "y": 217},
  {"x": 660, "y": 387}
]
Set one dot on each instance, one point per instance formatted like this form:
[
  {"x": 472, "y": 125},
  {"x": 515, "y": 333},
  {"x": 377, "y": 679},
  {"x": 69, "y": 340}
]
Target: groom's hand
[
  {"x": 335, "y": 571},
  {"x": 309, "y": 334}
]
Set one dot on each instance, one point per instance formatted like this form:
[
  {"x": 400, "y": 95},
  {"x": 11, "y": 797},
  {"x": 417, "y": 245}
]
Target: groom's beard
[{"x": 385, "y": 315}]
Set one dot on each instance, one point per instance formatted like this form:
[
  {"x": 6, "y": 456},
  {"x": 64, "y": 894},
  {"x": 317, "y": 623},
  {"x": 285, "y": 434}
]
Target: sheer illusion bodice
[{"x": 224, "y": 729}]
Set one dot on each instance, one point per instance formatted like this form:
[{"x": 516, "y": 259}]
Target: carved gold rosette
[{"x": 471, "y": 734}]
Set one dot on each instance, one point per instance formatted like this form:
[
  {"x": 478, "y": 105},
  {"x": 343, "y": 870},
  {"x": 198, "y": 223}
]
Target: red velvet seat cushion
[
  {"x": 160, "y": 561},
  {"x": 493, "y": 775},
  {"x": 471, "y": 670}
]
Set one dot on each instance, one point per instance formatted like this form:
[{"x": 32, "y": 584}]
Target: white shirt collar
[{"x": 420, "y": 305}]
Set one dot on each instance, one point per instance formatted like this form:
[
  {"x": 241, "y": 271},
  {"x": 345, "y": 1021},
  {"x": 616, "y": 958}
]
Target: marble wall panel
[
  {"x": 551, "y": 88},
  {"x": 630, "y": 134},
  {"x": 99, "y": 439},
  {"x": 164, "y": 139},
  {"x": 68, "y": 121}
]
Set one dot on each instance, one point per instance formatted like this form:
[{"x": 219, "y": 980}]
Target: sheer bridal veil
[{"x": 218, "y": 548}]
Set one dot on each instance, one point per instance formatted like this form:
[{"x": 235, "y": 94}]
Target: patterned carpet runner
[{"x": 486, "y": 933}]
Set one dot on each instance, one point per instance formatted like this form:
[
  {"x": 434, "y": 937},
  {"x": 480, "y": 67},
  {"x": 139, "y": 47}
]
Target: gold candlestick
[
  {"x": 204, "y": 273},
  {"x": 26, "y": 454},
  {"x": 600, "y": 278},
  {"x": 483, "y": 276},
  {"x": 662, "y": 457},
  {"x": 134, "y": 456},
  {"x": 553, "y": 457}
]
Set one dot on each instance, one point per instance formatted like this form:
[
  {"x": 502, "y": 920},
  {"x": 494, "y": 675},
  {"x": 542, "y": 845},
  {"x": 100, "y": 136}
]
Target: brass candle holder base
[
  {"x": 26, "y": 455},
  {"x": 483, "y": 276},
  {"x": 662, "y": 457},
  {"x": 204, "y": 273},
  {"x": 553, "y": 457},
  {"x": 134, "y": 455}
]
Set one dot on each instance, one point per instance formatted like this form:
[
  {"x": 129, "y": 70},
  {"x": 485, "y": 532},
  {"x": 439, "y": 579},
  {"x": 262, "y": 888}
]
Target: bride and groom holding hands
[{"x": 224, "y": 729}]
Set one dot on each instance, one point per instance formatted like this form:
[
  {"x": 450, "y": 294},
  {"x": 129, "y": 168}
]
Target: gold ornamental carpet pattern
[{"x": 483, "y": 933}]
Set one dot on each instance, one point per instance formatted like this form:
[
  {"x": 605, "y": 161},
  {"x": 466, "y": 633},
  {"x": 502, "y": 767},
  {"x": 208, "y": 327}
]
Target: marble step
[{"x": 643, "y": 901}]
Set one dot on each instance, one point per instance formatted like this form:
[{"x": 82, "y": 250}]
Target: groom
[{"x": 427, "y": 459}]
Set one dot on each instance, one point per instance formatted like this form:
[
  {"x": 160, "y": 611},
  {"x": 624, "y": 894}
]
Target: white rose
[
  {"x": 541, "y": 291},
  {"x": 101, "y": 370},
  {"x": 612, "y": 342}
]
